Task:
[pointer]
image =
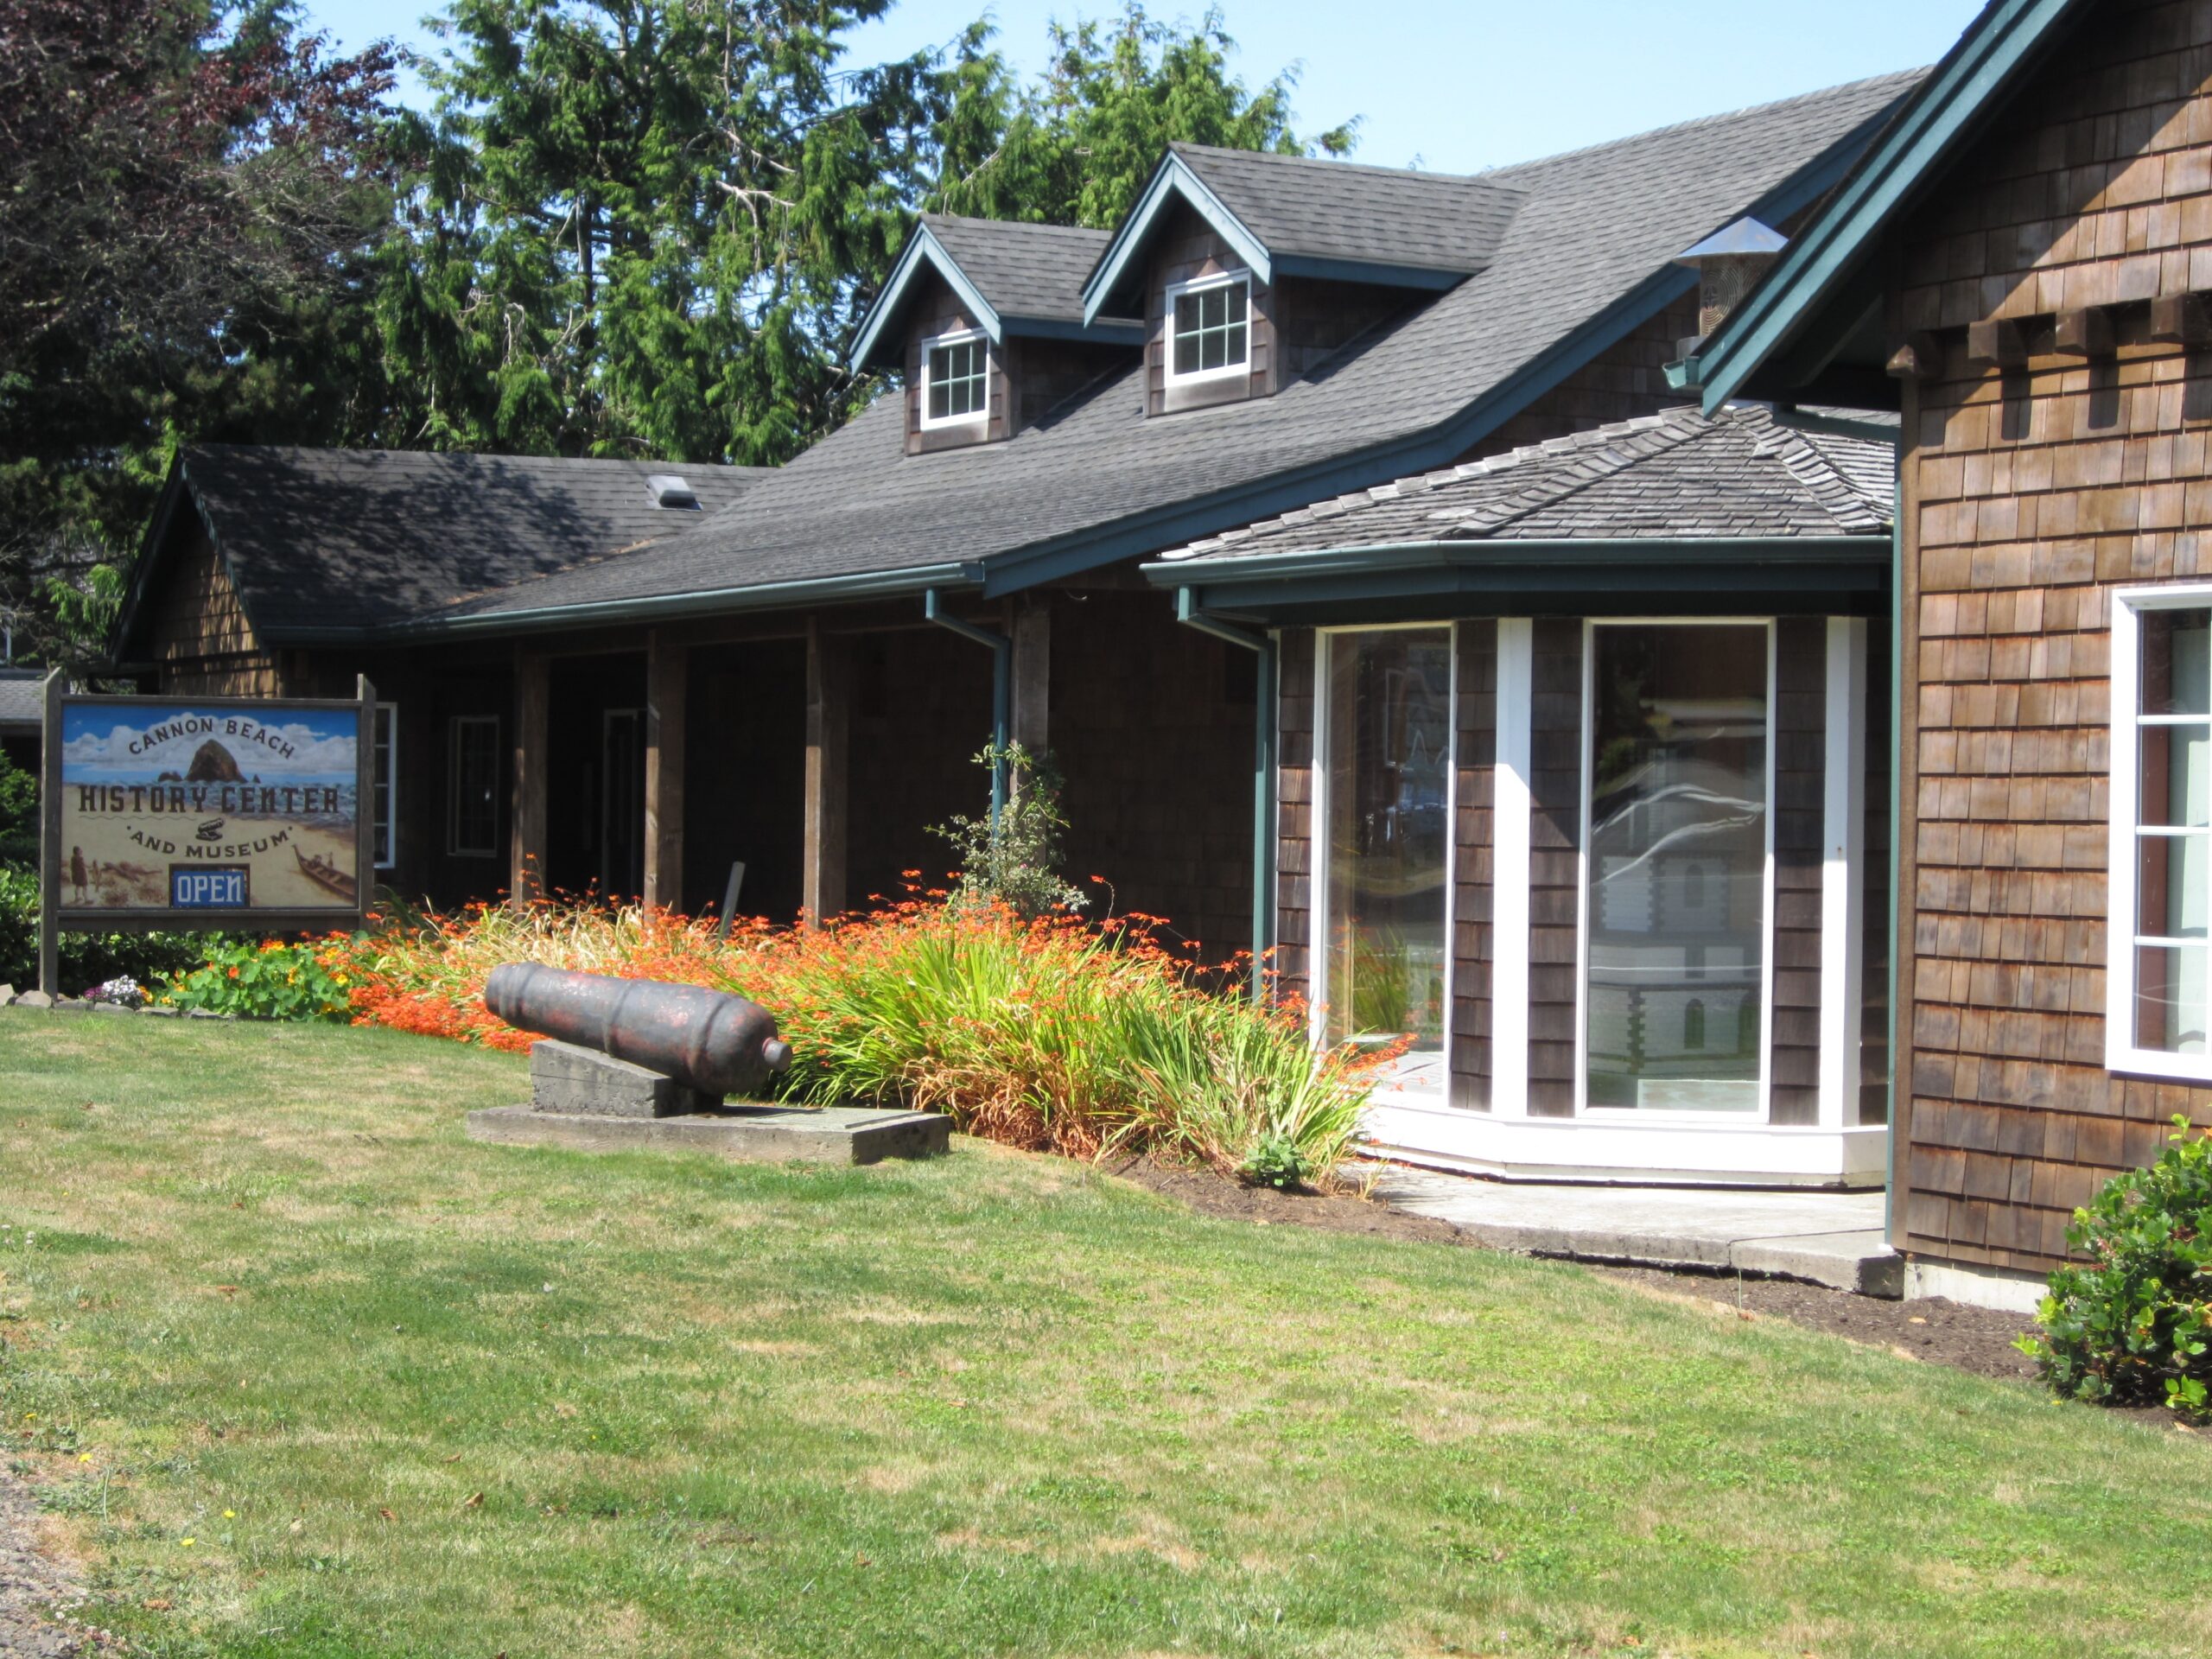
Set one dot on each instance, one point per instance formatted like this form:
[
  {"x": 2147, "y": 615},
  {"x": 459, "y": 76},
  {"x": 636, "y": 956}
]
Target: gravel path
[{"x": 30, "y": 1581}]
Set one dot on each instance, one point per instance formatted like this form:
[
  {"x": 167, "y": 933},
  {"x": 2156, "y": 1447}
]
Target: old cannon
[{"x": 634, "y": 1047}]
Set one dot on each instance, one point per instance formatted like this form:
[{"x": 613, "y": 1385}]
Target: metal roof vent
[
  {"x": 670, "y": 491},
  {"x": 1729, "y": 264}
]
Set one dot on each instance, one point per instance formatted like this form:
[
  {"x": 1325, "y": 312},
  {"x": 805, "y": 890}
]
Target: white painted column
[
  {"x": 1510, "y": 840},
  {"x": 1843, "y": 874}
]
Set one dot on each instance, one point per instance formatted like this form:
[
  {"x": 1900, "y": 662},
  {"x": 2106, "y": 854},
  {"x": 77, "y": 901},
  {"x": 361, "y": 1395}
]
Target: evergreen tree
[{"x": 1079, "y": 145}]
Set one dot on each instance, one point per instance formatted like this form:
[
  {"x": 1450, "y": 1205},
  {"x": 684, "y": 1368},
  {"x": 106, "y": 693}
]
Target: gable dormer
[
  {"x": 1249, "y": 268},
  {"x": 983, "y": 319}
]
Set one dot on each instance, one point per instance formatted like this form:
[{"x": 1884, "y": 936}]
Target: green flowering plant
[{"x": 267, "y": 980}]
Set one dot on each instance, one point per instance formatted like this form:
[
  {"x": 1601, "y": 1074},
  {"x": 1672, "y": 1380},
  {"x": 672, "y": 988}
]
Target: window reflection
[
  {"x": 1389, "y": 752},
  {"x": 1677, "y": 866}
]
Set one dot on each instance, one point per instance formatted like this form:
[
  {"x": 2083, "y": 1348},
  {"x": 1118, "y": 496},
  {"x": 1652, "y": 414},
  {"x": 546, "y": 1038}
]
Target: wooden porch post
[
  {"x": 827, "y": 680},
  {"x": 666, "y": 684},
  {"x": 1032, "y": 676},
  {"x": 526, "y": 817}
]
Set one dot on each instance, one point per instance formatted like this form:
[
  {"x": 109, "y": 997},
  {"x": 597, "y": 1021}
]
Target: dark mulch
[{"x": 1974, "y": 1339}]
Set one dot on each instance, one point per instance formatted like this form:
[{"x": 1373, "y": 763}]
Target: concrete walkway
[{"x": 1828, "y": 1238}]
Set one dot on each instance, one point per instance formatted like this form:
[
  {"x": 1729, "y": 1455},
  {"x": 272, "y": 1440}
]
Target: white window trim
[
  {"x": 1202, "y": 284},
  {"x": 1319, "y": 918},
  {"x": 389, "y": 822},
  {"x": 2122, "y": 1053},
  {"x": 454, "y": 848},
  {"x": 973, "y": 417},
  {"x": 1764, "y": 1118}
]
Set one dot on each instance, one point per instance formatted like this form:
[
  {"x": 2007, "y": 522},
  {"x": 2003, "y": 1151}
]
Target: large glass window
[
  {"x": 1210, "y": 327},
  {"x": 473, "y": 756},
  {"x": 956, "y": 380},
  {"x": 1388, "y": 800},
  {"x": 2172, "y": 813},
  {"x": 1676, "y": 906}
]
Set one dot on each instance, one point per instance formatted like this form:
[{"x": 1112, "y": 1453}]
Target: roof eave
[
  {"x": 1383, "y": 558},
  {"x": 1107, "y": 331},
  {"x": 1942, "y": 112},
  {"x": 1174, "y": 178},
  {"x": 659, "y": 608},
  {"x": 1384, "y": 273},
  {"x": 923, "y": 248}
]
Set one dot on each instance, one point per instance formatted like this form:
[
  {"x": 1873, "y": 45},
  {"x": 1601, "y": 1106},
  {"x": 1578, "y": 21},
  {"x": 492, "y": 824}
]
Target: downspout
[
  {"x": 1263, "y": 772},
  {"x": 1001, "y": 650},
  {"x": 1896, "y": 822}
]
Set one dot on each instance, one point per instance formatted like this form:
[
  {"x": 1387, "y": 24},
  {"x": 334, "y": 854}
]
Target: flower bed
[{"x": 1051, "y": 1034}]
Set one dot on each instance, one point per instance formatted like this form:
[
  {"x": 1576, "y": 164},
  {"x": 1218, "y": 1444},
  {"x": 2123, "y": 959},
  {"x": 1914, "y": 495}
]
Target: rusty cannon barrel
[{"x": 707, "y": 1040}]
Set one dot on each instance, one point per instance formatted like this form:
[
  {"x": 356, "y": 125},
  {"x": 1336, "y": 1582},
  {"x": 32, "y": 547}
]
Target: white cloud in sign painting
[{"x": 257, "y": 749}]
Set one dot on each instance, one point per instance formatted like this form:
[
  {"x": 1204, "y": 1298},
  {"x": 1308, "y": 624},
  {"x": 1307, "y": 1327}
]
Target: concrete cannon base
[{"x": 761, "y": 1134}]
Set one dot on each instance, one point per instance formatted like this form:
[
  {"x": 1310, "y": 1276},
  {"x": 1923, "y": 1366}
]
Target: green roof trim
[{"x": 1947, "y": 109}]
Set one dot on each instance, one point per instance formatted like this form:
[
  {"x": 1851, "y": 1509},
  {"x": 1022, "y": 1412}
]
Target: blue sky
[{"x": 1459, "y": 87}]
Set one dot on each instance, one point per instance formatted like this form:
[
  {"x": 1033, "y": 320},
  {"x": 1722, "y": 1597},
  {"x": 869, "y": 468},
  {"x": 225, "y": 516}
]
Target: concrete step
[{"x": 1824, "y": 1238}]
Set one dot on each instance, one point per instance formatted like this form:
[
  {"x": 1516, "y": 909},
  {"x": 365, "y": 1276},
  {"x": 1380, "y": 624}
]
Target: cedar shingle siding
[
  {"x": 1799, "y": 795},
  {"x": 1475, "y": 802},
  {"x": 2030, "y": 493},
  {"x": 1294, "y": 825},
  {"x": 1554, "y": 864}
]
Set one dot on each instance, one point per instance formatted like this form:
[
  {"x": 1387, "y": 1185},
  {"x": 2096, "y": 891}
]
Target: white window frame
[
  {"x": 2122, "y": 1053},
  {"x": 1583, "y": 1110},
  {"x": 930, "y": 348},
  {"x": 1205, "y": 284},
  {"x": 1318, "y": 916},
  {"x": 454, "y": 729},
  {"x": 384, "y": 744}
]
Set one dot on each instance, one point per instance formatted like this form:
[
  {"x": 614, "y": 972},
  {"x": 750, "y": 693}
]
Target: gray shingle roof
[
  {"x": 1024, "y": 270},
  {"x": 1679, "y": 475},
  {"x": 318, "y": 539},
  {"x": 1097, "y": 482},
  {"x": 23, "y": 700},
  {"x": 1336, "y": 210}
]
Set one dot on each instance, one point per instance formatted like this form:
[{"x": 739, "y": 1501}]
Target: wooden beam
[
  {"x": 2084, "y": 332},
  {"x": 828, "y": 680},
  {"x": 1921, "y": 358},
  {"x": 1996, "y": 343},
  {"x": 2180, "y": 319},
  {"x": 526, "y": 814},
  {"x": 667, "y": 678},
  {"x": 1033, "y": 674}
]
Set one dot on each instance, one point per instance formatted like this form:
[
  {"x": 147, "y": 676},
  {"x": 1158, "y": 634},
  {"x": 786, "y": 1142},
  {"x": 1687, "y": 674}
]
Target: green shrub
[
  {"x": 1013, "y": 859},
  {"x": 87, "y": 959},
  {"x": 270, "y": 981},
  {"x": 2133, "y": 1326},
  {"x": 18, "y": 814}
]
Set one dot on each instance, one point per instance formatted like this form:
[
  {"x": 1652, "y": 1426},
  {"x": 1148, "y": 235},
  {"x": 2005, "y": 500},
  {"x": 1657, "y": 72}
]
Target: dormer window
[
  {"x": 956, "y": 379},
  {"x": 1210, "y": 327}
]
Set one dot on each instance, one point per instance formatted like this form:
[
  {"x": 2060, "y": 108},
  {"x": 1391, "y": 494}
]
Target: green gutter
[
  {"x": 1001, "y": 650},
  {"x": 1263, "y": 773},
  {"x": 1946, "y": 108},
  {"x": 718, "y": 601},
  {"x": 1380, "y": 557}
]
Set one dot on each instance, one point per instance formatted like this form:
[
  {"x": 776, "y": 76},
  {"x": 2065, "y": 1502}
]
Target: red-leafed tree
[
  {"x": 163, "y": 161},
  {"x": 181, "y": 182}
]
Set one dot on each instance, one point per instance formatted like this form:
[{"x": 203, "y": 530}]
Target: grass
[{"x": 409, "y": 1396}]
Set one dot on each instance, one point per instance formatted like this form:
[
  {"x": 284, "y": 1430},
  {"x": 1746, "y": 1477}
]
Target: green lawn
[{"x": 270, "y": 1326}]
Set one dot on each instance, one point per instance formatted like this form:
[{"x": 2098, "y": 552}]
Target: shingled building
[{"x": 1304, "y": 516}]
